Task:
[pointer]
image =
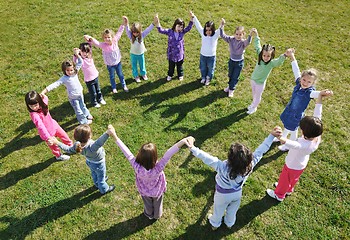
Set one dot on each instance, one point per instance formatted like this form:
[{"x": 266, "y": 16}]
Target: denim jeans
[
  {"x": 95, "y": 91},
  {"x": 98, "y": 174},
  {"x": 116, "y": 69},
  {"x": 207, "y": 66},
  {"x": 80, "y": 109},
  {"x": 179, "y": 68},
  {"x": 234, "y": 70},
  {"x": 140, "y": 60}
]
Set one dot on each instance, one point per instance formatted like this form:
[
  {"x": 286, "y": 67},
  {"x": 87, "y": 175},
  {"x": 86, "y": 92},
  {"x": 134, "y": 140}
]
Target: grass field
[{"x": 41, "y": 198}]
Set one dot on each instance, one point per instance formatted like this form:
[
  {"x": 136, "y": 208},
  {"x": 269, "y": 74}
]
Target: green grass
[{"x": 44, "y": 199}]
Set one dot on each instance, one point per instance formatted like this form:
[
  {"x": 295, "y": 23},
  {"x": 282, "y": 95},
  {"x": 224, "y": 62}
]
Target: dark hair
[
  {"x": 66, "y": 64},
  {"x": 136, "y": 27},
  {"x": 85, "y": 47},
  {"x": 82, "y": 133},
  {"x": 239, "y": 159},
  {"x": 212, "y": 28},
  {"x": 267, "y": 48},
  {"x": 147, "y": 156},
  {"x": 311, "y": 126},
  {"x": 107, "y": 32},
  {"x": 32, "y": 98},
  {"x": 178, "y": 21}
]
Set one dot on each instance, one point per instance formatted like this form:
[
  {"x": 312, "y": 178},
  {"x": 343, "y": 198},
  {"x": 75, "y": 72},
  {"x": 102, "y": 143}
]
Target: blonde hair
[
  {"x": 107, "y": 32},
  {"x": 310, "y": 72}
]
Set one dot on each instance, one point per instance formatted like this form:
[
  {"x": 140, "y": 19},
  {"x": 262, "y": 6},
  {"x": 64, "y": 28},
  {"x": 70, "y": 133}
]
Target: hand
[
  {"x": 125, "y": 20},
  {"x": 52, "y": 141},
  {"x": 87, "y": 38},
  {"x": 111, "y": 131},
  {"x": 156, "y": 20},
  {"x": 222, "y": 23},
  {"x": 326, "y": 93},
  {"x": 254, "y": 31},
  {"x": 191, "y": 15},
  {"x": 277, "y": 132},
  {"x": 76, "y": 51},
  {"x": 189, "y": 141}
]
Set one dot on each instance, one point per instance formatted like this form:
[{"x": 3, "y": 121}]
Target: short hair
[
  {"x": 211, "y": 25},
  {"x": 178, "y": 21},
  {"x": 267, "y": 48},
  {"x": 147, "y": 156},
  {"x": 239, "y": 159},
  {"x": 311, "y": 126}
]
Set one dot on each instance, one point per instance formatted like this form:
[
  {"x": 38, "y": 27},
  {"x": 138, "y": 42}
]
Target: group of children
[{"x": 150, "y": 178}]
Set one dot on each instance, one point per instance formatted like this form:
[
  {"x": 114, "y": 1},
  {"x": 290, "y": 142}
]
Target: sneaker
[
  {"x": 212, "y": 227},
  {"x": 272, "y": 194},
  {"x": 103, "y": 102},
  {"x": 230, "y": 93},
  {"x": 252, "y": 110},
  {"x": 168, "y": 78},
  {"x": 226, "y": 89},
  {"x": 114, "y": 90},
  {"x": 62, "y": 157},
  {"x": 90, "y": 117},
  {"x": 144, "y": 77},
  {"x": 203, "y": 80},
  {"x": 283, "y": 148},
  {"x": 97, "y": 105},
  {"x": 249, "y": 107},
  {"x": 207, "y": 82},
  {"x": 89, "y": 121},
  {"x": 110, "y": 189},
  {"x": 126, "y": 89},
  {"x": 287, "y": 193},
  {"x": 137, "y": 79},
  {"x": 181, "y": 78}
]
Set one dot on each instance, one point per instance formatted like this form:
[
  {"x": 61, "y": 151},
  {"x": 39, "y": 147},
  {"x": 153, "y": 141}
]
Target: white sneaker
[
  {"x": 97, "y": 105},
  {"x": 287, "y": 193},
  {"x": 144, "y": 77},
  {"x": 168, "y": 78},
  {"x": 114, "y": 90},
  {"x": 181, "y": 78},
  {"x": 62, "y": 157},
  {"x": 103, "y": 102},
  {"x": 126, "y": 89},
  {"x": 226, "y": 89},
  {"x": 207, "y": 82},
  {"x": 272, "y": 194},
  {"x": 230, "y": 93},
  {"x": 89, "y": 121},
  {"x": 252, "y": 110},
  {"x": 249, "y": 107},
  {"x": 203, "y": 80},
  {"x": 137, "y": 79},
  {"x": 283, "y": 148}
]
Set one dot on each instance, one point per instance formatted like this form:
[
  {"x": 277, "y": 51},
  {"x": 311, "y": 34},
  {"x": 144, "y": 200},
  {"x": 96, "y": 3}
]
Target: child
[
  {"x": 230, "y": 177},
  {"x": 74, "y": 88},
  {"x": 207, "y": 60},
  {"x": 150, "y": 177},
  {"x": 176, "y": 48},
  {"x": 303, "y": 91},
  {"x": 47, "y": 127},
  {"x": 300, "y": 150},
  {"x": 90, "y": 75},
  {"x": 237, "y": 48},
  {"x": 111, "y": 55},
  {"x": 137, "y": 50},
  {"x": 94, "y": 153},
  {"x": 263, "y": 68}
]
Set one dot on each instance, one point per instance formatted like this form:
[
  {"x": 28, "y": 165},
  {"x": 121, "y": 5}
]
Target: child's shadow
[
  {"x": 21, "y": 228},
  {"x": 123, "y": 229}
]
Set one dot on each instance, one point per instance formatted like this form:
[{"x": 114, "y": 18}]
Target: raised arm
[{"x": 127, "y": 153}]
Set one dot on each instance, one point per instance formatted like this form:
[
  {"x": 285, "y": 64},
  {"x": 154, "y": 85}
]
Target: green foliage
[{"x": 45, "y": 199}]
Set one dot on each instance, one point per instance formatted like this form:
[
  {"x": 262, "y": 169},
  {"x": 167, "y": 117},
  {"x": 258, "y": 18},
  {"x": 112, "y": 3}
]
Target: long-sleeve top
[
  {"x": 237, "y": 47},
  {"x": 300, "y": 150},
  {"x": 262, "y": 71},
  {"x": 137, "y": 47},
  {"x": 93, "y": 150},
  {"x": 72, "y": 84},
  {"x": 45, "y": 125},
  {"x": 111, "y": 53},
  {"x": 88, "y": 67},
  {"x": 222, "y": 168},
  {"x": 209, "y": 43},
  {"x": 176, "y": 43},
  {"x": 152, "y": 182}
]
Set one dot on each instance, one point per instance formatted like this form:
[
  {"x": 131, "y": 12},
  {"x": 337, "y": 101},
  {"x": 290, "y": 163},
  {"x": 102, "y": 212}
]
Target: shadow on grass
[
  {"x": 20, "y": 228},
  {"x": 13, "y": 177},
  {"x": 122, "y": 229}
]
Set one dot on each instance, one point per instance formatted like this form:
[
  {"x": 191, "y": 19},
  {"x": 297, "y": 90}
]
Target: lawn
[{"x": 41, "y": 198}]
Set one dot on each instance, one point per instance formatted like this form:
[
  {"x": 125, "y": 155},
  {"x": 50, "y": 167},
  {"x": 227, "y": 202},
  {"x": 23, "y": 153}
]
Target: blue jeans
[
  {"x": 80, "y": 109},
  {"x": 116, "y": 69},
  {"x": 234, "y": 70},
  {"x": 98, "y": 174},
  {"x": 179, "y": 68},
  {"x": 207, "y": 66},
  {"x": 95, "y": 91},
  {"x": 138, "y": 59}
]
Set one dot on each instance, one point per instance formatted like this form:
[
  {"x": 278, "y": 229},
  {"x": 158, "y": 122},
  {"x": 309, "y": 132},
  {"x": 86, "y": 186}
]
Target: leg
[
  {"x": 283, "y": 183},
  {"x": 142, "y": 63},
  {"x": 232, "y": 208},
  {"x": 120, "y": 74},
  {"x": 100, "y": 171},
  {"x": 83, "y": 107},
  {"x": 148, "y": 207},
  {"x": 202, "y": 67},
  {"x": 211, "y": 63},
  {"x": 75, "y": 103},
  {"x": 258, "y": 90},
  {"x": 111, "y": 72},
  {"x": 171, "y": 68},
  {"x": 294, "y": 135},
  {"x": 220, "y": 205},
  {"x": 60, "y": 133},
  {"x": 179, "y": 68},
  {"x": 133, "y": 59},
  {"x": 98, "y": 90},
  {"x": 234, "y": 72},
  {"x": 92, "y": 92},
  {"x": 294, "y": 178},
  {"x": 158, "y": 207},
  {"x": 93, "y": 173},
  {"x": 56, "y": 151}
]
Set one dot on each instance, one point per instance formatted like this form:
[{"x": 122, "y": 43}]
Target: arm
[
  {"x": 99, "y": 142},
  {"x": 295, "y": 66},
  {"x": 318, "y": 106},
  {"x": 78, "y": 59},
  {"x": 225, "y": 37},
  {"x": 64, "y": 147},
  {"x": 127, "y": 153},
  {"x": 198, "y": 25},
  {"x": 42, "y": 130},
  {"x": 119, "y": 32},
  {"x": 147, "y": 30},
  {"x": 189, "y": 27},
  {"x": 207, "y": 159},
  {"x": 127, "y": 28}
]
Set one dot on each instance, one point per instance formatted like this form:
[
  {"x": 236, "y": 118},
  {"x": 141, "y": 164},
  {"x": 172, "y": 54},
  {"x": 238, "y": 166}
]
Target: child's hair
[
  {"x": 82, "y": 133},
  {"x": 147, "y": 156},
  {"x": 311, "y": 126},
  {"x": 311, "y": 72},
  {"x": 85, "y": 47},
  {"x": 267, "y": 48},
  {"x": 107, "y": 32},
  {"x": 32, "y": 98},
  {"x": 136, "y": 28},
  {"x": 240, "y": 28},
  {"x": 66, "y": 64},
  {"x": 178, "y": 21},
  {"x": 212, "y": 28},
  {"x": 239, "y": 159}
]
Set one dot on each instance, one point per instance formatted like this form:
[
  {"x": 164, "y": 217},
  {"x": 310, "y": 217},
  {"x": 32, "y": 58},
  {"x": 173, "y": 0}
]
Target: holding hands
[
  {"x": 222, "y": 23},
  {"x": 156, "y": 20},
  {"x": 125, "y": 21}
]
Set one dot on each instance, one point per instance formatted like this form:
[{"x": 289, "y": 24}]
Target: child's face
[
  {"x": 179, "y": 28},
  {"x": 70, "y": 71},
  {"x": 239, "y": 35},
  {"x": 34, "y": 107},
  {"x": 307, "y": 81},
  {"x": 208, "y": 31},
  {"x": 84, "y": 54},
  {"x": 107, "y": 38},
  {"x": 266, "y": 56},
  {"x": 136, "y": 34}
]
